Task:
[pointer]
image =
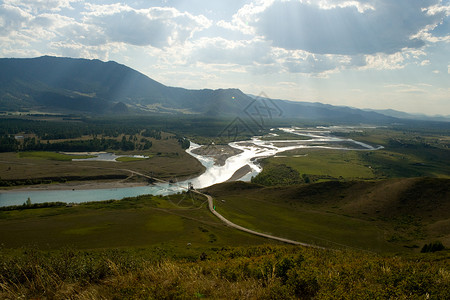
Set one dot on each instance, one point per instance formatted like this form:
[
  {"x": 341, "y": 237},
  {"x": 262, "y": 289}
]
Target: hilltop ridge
[{"x": 72, "y": 85}]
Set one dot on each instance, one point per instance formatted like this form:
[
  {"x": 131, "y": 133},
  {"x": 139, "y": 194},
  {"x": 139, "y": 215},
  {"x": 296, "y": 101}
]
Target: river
[{"x": 252, "y": 150}]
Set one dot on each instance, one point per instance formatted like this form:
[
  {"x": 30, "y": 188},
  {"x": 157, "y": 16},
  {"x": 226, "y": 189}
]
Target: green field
[
  {"x": 309, "y": 226},
  {"x": 384, "y": 216},
  {"x": 128, "y": 159},
  {"x": 167, "y": 160},
  {"x": 135, "y": 222},
  {"x": 277, "y": 134},
  {"x": 52, "y": 155},
  {"x": 325, "y": 163},
  {"x": 173, "y": 248},
  {"x": 405, "y": 154}
]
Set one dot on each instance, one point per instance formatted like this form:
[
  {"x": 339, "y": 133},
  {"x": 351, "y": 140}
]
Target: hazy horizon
[{"x": 367, "y": 54}]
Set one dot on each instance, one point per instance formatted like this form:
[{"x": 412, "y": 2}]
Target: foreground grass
[{"x": 258, "y": 272}]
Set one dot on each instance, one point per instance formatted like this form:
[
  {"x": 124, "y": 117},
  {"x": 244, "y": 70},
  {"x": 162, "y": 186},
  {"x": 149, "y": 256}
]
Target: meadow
[
  {"x": 52, "y": 155},
  {"x": 172, "y": 248},
  {"x": 396, "y": 216},
  {"x": 133, "y": 222}
]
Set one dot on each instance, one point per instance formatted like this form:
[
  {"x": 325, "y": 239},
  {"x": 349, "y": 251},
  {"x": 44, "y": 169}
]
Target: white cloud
[
  {"x": 69, "y": 49},
  {"x": 158, "y": 27},
  {"x": 12, "y": 19},
  {"x": 385, "y": 61},
  {"x": 359, "y": 5},
  {"x": 288, "y": 84},
  {"x": 36, "y": 6},
  {"x": 222, "y": 51},
  {"x": 343, "y": 27},
  {"x": 245, "y": 17},
  {"x": 315, "y": 63}
]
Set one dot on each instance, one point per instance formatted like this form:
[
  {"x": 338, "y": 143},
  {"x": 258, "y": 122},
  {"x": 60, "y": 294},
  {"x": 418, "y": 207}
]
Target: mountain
[
  {"x": 403, "y": 115},
  {"x": 59, "y": 84},
  {"x": 94, "y": 86},
  {"x": 332, "y": 113}
]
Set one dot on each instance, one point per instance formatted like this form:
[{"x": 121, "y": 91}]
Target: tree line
[
  {"x": 56, "y": 130},
  {"x": 11, "y": 144}
]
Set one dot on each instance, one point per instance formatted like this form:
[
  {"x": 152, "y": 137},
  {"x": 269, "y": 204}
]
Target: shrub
[{"x": 432, "y": 247}]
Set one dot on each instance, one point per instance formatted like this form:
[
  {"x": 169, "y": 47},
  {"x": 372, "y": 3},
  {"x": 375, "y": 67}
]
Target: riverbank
[
  {"x": 240, "y": 173},
  {"x": 220, "y": 153},
  {"x": 77, "y": 185}
]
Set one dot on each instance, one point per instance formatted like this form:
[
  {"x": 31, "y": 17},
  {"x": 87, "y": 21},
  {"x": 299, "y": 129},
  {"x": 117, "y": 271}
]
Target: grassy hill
[
  {"x": 133, "y": 222},
  {"x": 173, "y": 248},
  {"x": 387, "y": 215}
]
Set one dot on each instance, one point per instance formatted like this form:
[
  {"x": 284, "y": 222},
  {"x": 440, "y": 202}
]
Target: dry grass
[{"x": 263, "y": 272}]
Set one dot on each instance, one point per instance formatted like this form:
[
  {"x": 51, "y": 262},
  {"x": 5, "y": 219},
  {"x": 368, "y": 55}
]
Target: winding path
[
  {"x": 233, "y": 225},
  {"x": 228, "y": 222}
]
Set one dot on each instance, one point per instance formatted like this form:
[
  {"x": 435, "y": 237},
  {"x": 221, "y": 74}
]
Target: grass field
[
  {"x": 405, "y": 154},
  {"x": 136, "y": 222},
  {"x": 277, "y": 134},
  {"x": 252, "y": 272},
  {"x": 128, "y": 159},
  {"x": 51, "y": 155},
  {"x": 255, "y": 272},
  {"x": 397, "y": 162},
  {"x": 325, "y": 163},
  {"x": 173, "y": 248},
  {"x": 383, "y": 216},
  {"x": 167, "y": 160},
  {"x": 315, "y": 227}
]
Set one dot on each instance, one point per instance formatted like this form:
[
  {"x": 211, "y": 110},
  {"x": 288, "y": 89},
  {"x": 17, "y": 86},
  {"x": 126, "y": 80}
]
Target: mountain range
[{"x": 56, "y": 84}]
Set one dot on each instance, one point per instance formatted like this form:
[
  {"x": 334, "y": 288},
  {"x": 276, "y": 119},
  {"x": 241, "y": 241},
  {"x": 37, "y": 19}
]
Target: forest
[{"x": 77, "y": 136}]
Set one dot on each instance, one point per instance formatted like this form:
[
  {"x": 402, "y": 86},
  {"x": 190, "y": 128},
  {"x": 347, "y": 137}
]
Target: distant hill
[
  {"x": 80, "y": 85},
  {"x": 403, "y": 115}
]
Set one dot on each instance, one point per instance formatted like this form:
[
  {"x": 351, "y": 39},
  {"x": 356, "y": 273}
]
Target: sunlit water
[{"x": 252, "y": 150}]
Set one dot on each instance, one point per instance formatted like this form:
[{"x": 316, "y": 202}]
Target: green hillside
[
  {"x": 387, "y": 215},
  {"x": 173, "y": 248}
]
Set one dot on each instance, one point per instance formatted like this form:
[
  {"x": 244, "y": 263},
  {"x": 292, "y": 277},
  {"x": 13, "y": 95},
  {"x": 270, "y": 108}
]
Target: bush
[
  {"x": 432, "y": 247},
  {"x": 277, "y": 175}
]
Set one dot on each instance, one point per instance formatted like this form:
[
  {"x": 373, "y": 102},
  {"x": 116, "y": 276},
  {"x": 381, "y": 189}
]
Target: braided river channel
[{"x": 251, "y": 151}]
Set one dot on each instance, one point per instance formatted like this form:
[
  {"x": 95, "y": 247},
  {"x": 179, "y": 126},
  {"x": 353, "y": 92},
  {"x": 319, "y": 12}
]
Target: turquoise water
[{"x": 9, "y": 198}]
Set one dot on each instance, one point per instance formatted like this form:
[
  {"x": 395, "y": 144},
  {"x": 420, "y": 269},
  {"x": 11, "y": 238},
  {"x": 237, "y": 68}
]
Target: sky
[{"x": 378, "y": 54}]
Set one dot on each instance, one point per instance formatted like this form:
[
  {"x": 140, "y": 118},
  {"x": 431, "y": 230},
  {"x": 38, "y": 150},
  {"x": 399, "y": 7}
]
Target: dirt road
[{"x": 233, "y": 225}]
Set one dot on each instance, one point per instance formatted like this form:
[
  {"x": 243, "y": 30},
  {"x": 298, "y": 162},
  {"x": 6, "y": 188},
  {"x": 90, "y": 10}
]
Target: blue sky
[{"x": 363, "y": 53}]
